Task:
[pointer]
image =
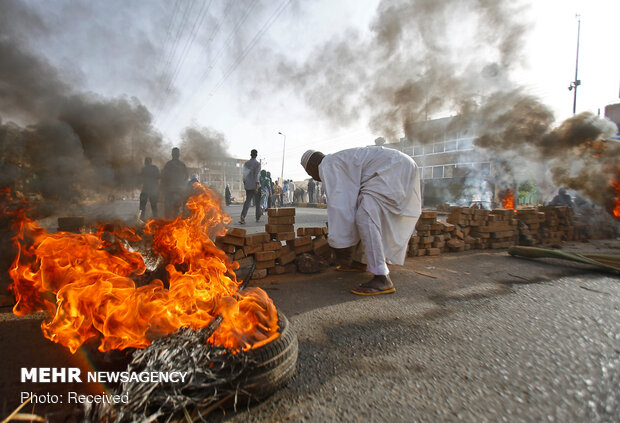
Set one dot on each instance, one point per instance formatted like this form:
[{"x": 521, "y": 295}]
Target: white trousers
[{"x": 370, "y": 234}]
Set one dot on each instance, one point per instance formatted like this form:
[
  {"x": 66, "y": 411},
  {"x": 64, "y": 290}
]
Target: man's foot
[
  {"x": 242, "y": 220},
  {"x": 380, "y": 284},
  {"x": 354, "y": 266}
]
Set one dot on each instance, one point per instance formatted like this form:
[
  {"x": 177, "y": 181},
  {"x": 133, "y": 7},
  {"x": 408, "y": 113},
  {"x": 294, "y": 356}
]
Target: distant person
[
  {"x": 291, "y": 191},
  {"x": 251, "y": 171},
  {"x": 174, "y": 184},
  {"x": 562, "y": 199},
  {"x": 277, "y": 195},
  {"x": 299, "y": 195},
  {"x": 285, "y": 192},
  {"x": 270, "y": 196},
  {"x": 265, "y": 187},
  {"x": 227, "y": 195},
  {"x": 311, "y": 186},
  {"x": 150, "y": 188}
]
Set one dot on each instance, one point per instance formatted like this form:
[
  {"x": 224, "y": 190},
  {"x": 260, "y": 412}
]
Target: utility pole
[
  {"x": 283, "y": 151},
  {"x": 574, "y": 84}
]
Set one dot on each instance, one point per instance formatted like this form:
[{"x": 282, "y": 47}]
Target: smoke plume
[
  {"x": 425, "y": 58},
  {"x": 202, "y": 144}
]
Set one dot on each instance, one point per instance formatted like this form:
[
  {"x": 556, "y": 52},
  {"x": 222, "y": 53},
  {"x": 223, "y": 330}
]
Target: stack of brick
[
  {"x": 432, "y": 237},
  {"x": 464, "y": 219},
  {"x": 276, "y": 249},
  {"x": 318, "y": 240},
  {"x": 469, "y": 228},
  {"x": 558, "y": 225},
  {"x": 281, "y": 228},
  {"x": 498, "y": 230},
  {"x": 533, "y": 221}
]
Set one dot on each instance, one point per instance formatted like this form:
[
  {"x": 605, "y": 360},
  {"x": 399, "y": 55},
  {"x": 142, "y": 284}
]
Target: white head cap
[{"x": 306, "y": 157}]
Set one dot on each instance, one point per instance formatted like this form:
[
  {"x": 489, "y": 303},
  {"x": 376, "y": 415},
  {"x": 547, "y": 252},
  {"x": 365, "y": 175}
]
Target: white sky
[{"x": 213, "y": 93}]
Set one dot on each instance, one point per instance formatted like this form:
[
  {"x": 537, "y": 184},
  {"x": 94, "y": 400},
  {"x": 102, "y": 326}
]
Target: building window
[
  {"x": 485, "y": 169},
  {"x": 450, "y": 145},
  {"x": 438, "y": 147},
  {"x": 448, "y": 171},
  {"x": 466, "y": 144},
  {"x": 427, "y": 172},
  {"x": 437, "y": 172}
]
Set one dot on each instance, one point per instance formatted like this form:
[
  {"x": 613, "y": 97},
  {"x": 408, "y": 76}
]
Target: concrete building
[
  {"x": 217, "y": 173},
  {"x": 612, "y": 112},
  {"x": 453, "y": 170}
]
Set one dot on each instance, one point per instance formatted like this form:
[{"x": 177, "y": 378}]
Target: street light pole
[
  {"x": 574, "y": 84},
  {"x": 283, "y": 151}
]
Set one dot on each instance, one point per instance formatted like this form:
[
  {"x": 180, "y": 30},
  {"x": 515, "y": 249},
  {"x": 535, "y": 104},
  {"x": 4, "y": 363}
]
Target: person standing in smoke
[
  {"x": 562, "y": 199},
  {"x": 251, "y": 171},
  {"x": 149, "y": 177},
  {"x": 174, "y": 184},
  {"x": 227, "y": 195}
]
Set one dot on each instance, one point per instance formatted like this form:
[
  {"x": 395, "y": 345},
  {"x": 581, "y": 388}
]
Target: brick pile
[
  {"x": 276, "y": 249},
  {"x": 548, "y": 224},
  {"x": 558, "y": 225},
  {"x": 498, "y": 229},
  {"x": 433, "y": 237},
  {"x": 468, "y": 228}
]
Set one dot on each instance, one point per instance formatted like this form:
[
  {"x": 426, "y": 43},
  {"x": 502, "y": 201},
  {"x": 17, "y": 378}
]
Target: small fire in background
[
  {"x": 615, "y": 188},
  {"x": 508, "y": 199},
  {"x": 87, "y": 283}
]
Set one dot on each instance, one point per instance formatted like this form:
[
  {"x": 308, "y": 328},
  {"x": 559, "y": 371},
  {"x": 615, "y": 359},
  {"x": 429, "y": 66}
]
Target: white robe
[{"x": 385, "y": 183}]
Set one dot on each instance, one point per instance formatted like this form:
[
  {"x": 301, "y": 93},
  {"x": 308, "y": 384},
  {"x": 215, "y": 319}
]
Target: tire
[{"x": 274, "y": 366}]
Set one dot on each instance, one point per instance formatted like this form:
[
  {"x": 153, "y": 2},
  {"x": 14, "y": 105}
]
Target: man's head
[
  {"x": 253, "y": 154},
  {"x": 310, "y": 161},
  {"x": 148, "y": 160},
  {"x": 176, "y": 153},
  {"x": 562, "y": 191}
]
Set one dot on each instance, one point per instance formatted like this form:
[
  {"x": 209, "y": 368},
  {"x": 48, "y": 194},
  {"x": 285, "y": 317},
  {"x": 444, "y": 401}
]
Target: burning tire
[{"x": 274, "y": 365}]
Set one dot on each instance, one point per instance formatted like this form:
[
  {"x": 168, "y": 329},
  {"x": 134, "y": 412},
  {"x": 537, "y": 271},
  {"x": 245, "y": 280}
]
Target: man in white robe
[{"x": 373, "y": 195}]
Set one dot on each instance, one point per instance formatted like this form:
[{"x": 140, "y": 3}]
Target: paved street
[{"x": 474, "y": 336}]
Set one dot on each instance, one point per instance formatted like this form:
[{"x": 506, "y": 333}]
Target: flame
[
  {"x": 615, "y": 206},
  {"x": 508, "y": 199},
  {"x": 84, "y": 282}
]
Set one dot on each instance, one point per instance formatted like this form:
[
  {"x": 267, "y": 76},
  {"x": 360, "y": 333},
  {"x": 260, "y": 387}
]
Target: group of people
[{"x": 173, "y": 183}]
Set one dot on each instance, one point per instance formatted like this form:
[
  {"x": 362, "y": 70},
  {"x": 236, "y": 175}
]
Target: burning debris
[
  {"x": 86, "y": 283},
  {"x": 199, "y": 319}
]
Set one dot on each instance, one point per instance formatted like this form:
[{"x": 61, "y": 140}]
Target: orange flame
[
  {"x": 84, "y": 282},
  {"x": 508, "y": 199},
  {"x": 615, "y": 207}
]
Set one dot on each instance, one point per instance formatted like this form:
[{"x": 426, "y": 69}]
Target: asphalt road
[{"x": 475, "y": 336}]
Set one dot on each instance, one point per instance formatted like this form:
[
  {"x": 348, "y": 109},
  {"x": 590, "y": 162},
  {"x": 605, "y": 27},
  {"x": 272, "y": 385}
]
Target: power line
[
  {"x": 250, "y": 46},
  {"x": 190, "y": 41},
  {"x": 217, "y": 56},
  {"x": 177, "y": 39}
]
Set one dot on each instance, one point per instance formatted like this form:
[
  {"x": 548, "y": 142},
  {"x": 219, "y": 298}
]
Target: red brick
[
  {"x": 237, "y": 232},
  {"x": 273, "y": 229},
  {"x": 258, "y": 238},
  {"x": 265, "y": 255},
  {"x": 287, "y": 211},
  {"x": 284, "y": 220}
]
